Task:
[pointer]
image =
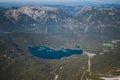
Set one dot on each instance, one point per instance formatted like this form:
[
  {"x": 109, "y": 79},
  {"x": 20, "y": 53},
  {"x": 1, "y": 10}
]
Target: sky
[
  {"x": 98, "y": 1},
  {"x": 64, "y": 2}
]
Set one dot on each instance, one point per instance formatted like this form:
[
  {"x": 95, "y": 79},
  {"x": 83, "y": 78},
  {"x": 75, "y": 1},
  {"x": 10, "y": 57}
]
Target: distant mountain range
[{"x": 61, "y": 19}]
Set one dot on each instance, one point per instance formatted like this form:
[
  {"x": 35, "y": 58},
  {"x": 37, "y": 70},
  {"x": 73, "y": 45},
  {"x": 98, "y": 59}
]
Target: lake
[{"x": 49, "y": 53}]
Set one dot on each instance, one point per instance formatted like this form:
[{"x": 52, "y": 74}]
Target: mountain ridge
[{"x": 62, "y": 19}]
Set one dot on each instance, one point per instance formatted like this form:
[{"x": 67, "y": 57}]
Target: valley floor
[{"x": 101, "y": 57}]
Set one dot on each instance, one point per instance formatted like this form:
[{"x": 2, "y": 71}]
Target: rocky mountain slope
[
  {"x": 37, "y": 18},
  {"x": 100, "y": 20},
  {"x": 56, "y": 19}
]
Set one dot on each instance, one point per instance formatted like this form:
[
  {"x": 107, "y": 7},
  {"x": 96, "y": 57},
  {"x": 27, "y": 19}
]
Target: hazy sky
[
  {"x": 64, "y": 0},
  {"x": 97, "y": 1}
]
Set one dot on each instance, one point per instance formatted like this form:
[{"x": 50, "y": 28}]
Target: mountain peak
[{"x": 33, "y": 11}]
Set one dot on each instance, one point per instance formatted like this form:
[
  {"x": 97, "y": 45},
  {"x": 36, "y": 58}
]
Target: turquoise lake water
[{"x": 49, "y": 53}]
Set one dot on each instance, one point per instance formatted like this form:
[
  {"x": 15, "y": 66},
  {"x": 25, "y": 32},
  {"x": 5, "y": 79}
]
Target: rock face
[
  {"x": 36, "y": 18},
  {"x": 44, "y": 19},
  {"x": 99, "y": 19}
]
